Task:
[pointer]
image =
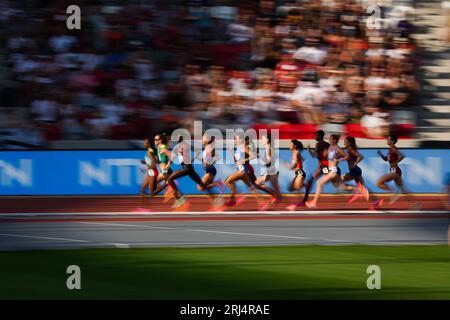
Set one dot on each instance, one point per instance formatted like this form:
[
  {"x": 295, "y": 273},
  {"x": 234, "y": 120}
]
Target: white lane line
[
  {"x": 43, "y": 238},
  {"x": 199, "y": 230},
  {"x": 249, "y": 234},
  {"x": 169, "y": 213},
  {"x": 127, "y": 225}
]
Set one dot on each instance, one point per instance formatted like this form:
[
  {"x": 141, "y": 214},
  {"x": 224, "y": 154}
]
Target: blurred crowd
[{"x": 140, "y": 67}]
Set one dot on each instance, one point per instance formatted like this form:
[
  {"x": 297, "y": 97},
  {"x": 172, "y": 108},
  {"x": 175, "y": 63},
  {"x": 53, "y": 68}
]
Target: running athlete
[
  {"x": 164, "y": 157},
  {"x": 183, "y": 150},
  {"x": 240, "y": 157},
  {"x": 249, "y": 155},
  {"x": 393, "y": 157},
  {"x": 297, "y": 165},
  {"x": 334, "y": 155},
  {"x": 354, "y": 171},
  {"x": 208, "y": 160},
  {"x": 165, "y": 162},
  {"x": 151, "y": 171},
  {"x": 318, "y": 153},
  {"x": 271, "y": 172}
]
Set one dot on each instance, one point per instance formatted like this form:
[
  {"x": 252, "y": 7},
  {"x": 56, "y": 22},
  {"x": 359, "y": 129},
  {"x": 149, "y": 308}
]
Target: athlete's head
[
  {"x": 333, "y": 139},
  {"x": 160, "y": 139},
  {"x": 392, "y": 140},
  {"x": 350, "y": 142},
  {"x": 267, "y": 138},
  {"x": 238, "y": 139},
  {"x": 319, "y": 135},
  {"x": 147, "y": 143},
  {"x": 296, "y": 145},
  {"x": 207, "y": 139}
]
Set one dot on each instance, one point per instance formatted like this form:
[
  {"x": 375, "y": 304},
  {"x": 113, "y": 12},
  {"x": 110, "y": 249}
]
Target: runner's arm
[
  {"x": 359, "y": 156},
  {"x": 382, "y": 156}
]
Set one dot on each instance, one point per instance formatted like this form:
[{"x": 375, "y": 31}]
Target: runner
[
  {"x": 354, "y": 171},
  {"x": 243, "y": 172},
  {"x": 334, "y": 155},
  {"x": 394, "y": 157},
  {"x": 297, "y": 165},
  {"x": 251, "y": 153},
  {"x": 271, "y": 172},
  {"x": 183, "y": 151},
  {"x": 151, "y": 173},
  {"x": 208, "y": 160},
  {"x": 165, "y": 162},
  {"x": 318, "y": 151}
]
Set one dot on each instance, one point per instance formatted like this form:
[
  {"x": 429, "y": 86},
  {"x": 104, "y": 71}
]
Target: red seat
[{"x": 354, "y": 130}]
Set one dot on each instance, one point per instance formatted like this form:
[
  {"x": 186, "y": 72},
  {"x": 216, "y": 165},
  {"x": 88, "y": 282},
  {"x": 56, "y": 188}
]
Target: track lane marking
[
  {"x": 127, "y": 225},
  {"x": 43, "y": 238},
  {"x": 204, "y": 230}
]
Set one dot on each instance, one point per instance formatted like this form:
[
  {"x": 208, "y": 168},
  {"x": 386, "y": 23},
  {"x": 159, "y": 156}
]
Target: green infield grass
[{"x": 287, "y": 272}]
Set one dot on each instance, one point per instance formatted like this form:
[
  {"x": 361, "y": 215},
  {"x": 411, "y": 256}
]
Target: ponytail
[{"x": 297, "y": 145}]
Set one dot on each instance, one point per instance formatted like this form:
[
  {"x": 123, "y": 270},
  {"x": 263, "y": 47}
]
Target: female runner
[
  {"x": 165, "y": 162},
  {"x": 271, "y": 172},
  {"x": 334, "y": 155},
  {"x": 208, "y": 160},
  {"x": 151, "y": 174},
  {"x": 355, "y": 172},
  {"x": 251, "y": 153},
  {"x": 151, "y": 171},
  {"x": 240, "y": 157},
  {"x": 297, "y": 165},
  {"x": 183, "y": 151},
  {"x": 393, "y": 157}
]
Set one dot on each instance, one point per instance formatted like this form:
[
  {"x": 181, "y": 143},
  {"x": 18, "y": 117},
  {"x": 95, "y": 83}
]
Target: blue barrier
[{"x": 118, "y": 172}]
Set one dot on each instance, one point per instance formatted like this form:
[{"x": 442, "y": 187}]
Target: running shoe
[
  {"x": 375, "y": 205},
  {"x": 365, "y": 193},
  {"x": 179, "y": 202},
  {"x": 218, "y": 202},
  {"x": 296, "y": 206},
  {"x": 275, "y": 200},
  {"x": 311, "y": 204},
  {"x": 291, "y": 207},
  {"x": 354, "y": 197}
]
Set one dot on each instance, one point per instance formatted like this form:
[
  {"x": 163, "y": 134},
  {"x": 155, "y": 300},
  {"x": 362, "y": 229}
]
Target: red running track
[{"x": 77, "y": 204}]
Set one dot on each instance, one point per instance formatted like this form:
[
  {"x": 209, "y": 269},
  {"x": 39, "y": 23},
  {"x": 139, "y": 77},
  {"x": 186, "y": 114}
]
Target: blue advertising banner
[{"x": 120, "y": 172}]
